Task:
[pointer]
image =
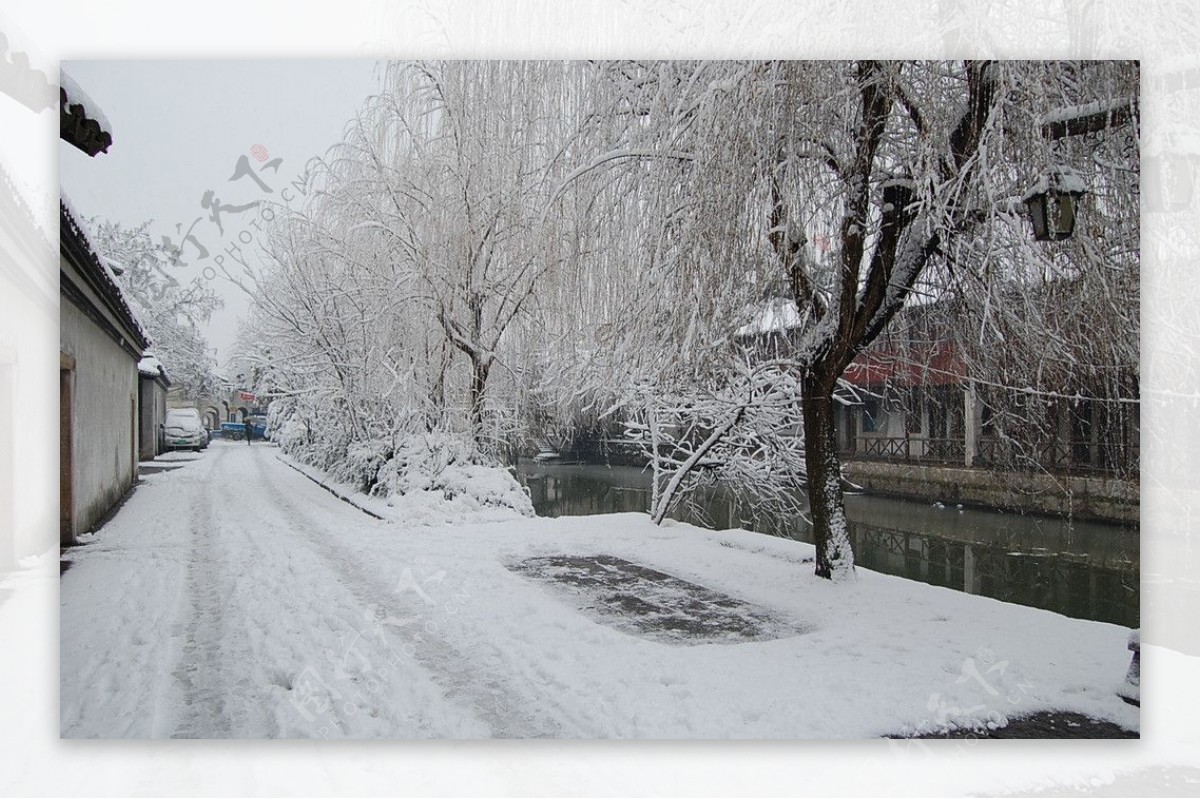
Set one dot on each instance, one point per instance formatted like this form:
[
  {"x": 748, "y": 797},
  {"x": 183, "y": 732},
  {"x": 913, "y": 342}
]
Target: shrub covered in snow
[
  {"x": 461, "y": 493},
  {"x": 442, "y": 468},
  {"x": 361, "y": 464},
  {"x": 307, "y": 434},
  {"x": 419, "y": 478}
]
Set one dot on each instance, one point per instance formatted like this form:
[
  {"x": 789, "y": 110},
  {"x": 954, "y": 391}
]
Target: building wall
[
  {"x": 28, "y": 452},
  {"x": 893, "y": 416},
  {"x": 152, "y": 412},
  {"x": 103, "y": 416}
]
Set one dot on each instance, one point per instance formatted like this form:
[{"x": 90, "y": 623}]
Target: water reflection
[{"x": 1080, "y": 569}]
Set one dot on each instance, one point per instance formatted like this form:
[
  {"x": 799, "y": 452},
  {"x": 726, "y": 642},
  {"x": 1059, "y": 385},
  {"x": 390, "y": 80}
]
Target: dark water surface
[{"x": 1086, "y": 570}]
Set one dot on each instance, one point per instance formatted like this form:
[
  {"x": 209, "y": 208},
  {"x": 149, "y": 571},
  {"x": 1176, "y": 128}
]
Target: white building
[
  {"x": 100, "y": 345},
  {"x": 153, "y": 385}
]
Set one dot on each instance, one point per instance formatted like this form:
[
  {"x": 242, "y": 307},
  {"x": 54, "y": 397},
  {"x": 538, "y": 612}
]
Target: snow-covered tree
[
  {"x": 694, "y": 250},
  {"x": 172, "y": 312},
  {"x": 901, "y": 168},
  {"x": 442, "y": 181}
]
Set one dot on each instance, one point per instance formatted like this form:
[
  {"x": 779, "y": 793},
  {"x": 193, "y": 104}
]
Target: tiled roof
[
  {"x": 81, "y": 122},
  {"x": 77, "y": 246}
]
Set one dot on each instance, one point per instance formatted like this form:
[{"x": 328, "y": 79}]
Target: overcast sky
[{"x": 179, "y": 128}]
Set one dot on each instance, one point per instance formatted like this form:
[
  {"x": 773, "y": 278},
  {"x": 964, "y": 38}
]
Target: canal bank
[
  {"x": 1079, "y": 568},
  {"x": 1093, "y": 498}
]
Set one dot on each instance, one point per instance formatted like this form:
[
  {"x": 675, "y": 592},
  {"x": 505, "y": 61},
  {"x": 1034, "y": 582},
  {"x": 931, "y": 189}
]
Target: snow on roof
[
  {"x": 774, "y": 316},
  {"x": 19, "y": 207},
  {"x": 77, "y": 220},
  {"x": 83, "y": 123},
  {"x": 151, "y": 366},
  {"x": 27, "y": 73},
  {"x": 74, "y": 228},
  {"x": 1063, "y": 179},
  {"x": 77, "y": 96}
]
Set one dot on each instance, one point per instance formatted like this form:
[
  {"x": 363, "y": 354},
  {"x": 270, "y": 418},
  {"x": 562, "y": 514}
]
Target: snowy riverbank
[{"x": 235, "y": 598}]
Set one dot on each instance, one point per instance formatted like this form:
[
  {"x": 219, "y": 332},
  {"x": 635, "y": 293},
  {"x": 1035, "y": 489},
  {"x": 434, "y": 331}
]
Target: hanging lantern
[{"x": 1052, "y": 203}]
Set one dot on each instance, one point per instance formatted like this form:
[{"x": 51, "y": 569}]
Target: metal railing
[
  {"x": 1057, "y": 456},
  {"x": 1086, "y": 456},
  {"x": 926, "y": 450}
]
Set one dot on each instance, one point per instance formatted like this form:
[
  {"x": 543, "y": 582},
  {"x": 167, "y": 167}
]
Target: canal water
[{"x": 1085, "y": 570}]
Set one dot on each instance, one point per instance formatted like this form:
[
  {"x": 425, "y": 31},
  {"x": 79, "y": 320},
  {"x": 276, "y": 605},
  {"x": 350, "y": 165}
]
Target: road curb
[{"x": 331, "y": 490}]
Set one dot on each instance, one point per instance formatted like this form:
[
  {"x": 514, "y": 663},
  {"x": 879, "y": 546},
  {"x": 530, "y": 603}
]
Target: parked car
[{"x": 184, "y": 430}]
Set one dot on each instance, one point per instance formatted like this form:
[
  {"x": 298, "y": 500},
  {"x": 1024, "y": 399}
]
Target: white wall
[
  {"x": 152, "y": 411},
  {"x": 103, "y": 416},
  {"x": 28, "y": 421}
]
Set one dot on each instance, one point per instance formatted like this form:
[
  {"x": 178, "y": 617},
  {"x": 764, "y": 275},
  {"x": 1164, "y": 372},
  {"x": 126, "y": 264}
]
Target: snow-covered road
[{"x": 234, "y": 597}]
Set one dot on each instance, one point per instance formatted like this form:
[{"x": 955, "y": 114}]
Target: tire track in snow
[
  {"x": 488, "y": 697},
  {"x": 199, "y": 673},
  {"x": 222, "y": 696}
]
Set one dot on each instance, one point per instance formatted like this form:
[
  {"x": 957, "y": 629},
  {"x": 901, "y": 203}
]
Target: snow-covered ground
[{"x": 233, "y": 597}]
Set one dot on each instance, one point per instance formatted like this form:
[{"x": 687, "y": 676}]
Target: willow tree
[
  {"x": 862, "y": 180},
  {"x": 435, "y": 199},
  {"x": 464, "y": 154},
  {"x": 906, "y": 183}
]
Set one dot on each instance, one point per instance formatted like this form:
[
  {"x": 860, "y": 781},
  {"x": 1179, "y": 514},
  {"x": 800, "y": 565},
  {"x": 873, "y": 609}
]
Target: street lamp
[{"x": 1051, "y": 203}]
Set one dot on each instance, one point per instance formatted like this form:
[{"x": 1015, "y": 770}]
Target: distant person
[{"x": 249, "y": 429}]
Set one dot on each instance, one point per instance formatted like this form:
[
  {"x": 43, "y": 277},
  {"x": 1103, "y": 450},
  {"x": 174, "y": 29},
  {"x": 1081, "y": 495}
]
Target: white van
[{"x": 184, "y": 429}]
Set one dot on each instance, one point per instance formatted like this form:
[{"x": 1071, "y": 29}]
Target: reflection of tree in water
[
  {"x": 1063, "y": 582},
  {"x": 1038, "y": 563}
]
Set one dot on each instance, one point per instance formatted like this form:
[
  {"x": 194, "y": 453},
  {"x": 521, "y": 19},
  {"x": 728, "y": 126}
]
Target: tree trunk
[
  {"x": 831, "y": 534},
  {"x": 479, "y": 376}
]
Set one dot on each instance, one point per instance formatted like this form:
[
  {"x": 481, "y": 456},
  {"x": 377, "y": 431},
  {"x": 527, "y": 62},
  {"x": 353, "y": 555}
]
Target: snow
[
  {"x": 77, "y": 223},
  {"x": 77, "y": 220},
  {"x": 614, "y": 155},
  {"x": 1080, "y": 111},
  {"x": 1061, "y": 179},
  {"x": 150, "y": 365},
  {"x": 232, "y": 597},
  {"x": 840, "y": 554},
  {"x": 774, "y": 316},
  {"x": 418, "y": 479},
  {"x": 77, "y": 96},
  {"x": 459, "y": 493}
]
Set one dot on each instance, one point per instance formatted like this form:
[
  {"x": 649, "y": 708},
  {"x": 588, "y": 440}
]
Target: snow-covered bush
[
  {"x": 420, "y": 478},
  {"x": 284, "y": 425},
  {"x": 361, "y": 465},
  {"x": 439, "y": 468}
]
